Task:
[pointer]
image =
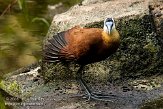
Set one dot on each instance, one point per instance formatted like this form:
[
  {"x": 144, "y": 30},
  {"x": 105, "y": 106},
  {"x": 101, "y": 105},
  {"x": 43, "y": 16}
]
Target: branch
[{"x": 8, "y": 7}]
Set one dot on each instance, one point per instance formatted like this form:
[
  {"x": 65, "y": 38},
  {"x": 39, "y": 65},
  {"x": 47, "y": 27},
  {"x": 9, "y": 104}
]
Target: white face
[{"x": 109, "y": 25}]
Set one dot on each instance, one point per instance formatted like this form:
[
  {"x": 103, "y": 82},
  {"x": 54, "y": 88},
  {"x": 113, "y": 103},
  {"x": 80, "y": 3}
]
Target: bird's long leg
[
  {"x": 88, "y": 91},
  {"x": 82, "y": 83}
]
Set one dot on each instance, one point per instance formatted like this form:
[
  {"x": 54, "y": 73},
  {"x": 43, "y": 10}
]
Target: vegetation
[
  {"x": 24, "y": 24},
  {"x": 2, "y": 103}
]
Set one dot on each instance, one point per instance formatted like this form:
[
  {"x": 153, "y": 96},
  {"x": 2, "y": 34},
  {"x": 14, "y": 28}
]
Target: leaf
[
  {"x": 23, "y": 6},
  {"x": 42, "y": 20},
  {"x": 20, "y": 4},
  {"x": 2, "y": 102}
]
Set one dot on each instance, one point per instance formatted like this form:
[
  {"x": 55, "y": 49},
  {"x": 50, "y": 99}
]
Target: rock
[
  {"x": 135, "y": 23},
  {"x": 22, "y": 82},
  {"x": 132, "y": 71},
  {"x": 89, "y": 13},
  {"x": 157, "y": 12},
  {"x": 149, "y": 105}
]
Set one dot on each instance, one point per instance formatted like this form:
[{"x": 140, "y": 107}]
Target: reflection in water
[{"x": 22, "y": 29}]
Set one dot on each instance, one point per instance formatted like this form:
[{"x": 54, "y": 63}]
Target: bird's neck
[{"x": 112, "y": 37}]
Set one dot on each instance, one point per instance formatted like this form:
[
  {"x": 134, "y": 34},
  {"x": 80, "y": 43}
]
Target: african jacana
[{"x": 83, "y": 46}]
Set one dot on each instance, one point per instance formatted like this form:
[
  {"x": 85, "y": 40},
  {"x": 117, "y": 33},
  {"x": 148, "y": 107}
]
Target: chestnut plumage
[{"x": 83, "y": 45}]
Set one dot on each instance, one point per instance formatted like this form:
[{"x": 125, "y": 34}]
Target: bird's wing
[
  {"x": 83, "y": 41},
  {"x": 51, "y": 51},
  {"x": 71, "y": 45}
]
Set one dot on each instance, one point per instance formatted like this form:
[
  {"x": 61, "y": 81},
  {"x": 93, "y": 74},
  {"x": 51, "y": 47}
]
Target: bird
[{"x": 83, "y": 46}]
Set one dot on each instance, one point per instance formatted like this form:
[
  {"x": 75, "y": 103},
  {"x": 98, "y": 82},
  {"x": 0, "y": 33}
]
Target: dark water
[{"x": 22, "y": 29}]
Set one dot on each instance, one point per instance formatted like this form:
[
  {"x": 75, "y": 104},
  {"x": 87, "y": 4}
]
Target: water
[{"x": 22, "y": 29}]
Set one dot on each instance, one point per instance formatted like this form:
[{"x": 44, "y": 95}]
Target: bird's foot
[{"x": 99, "y": 97}]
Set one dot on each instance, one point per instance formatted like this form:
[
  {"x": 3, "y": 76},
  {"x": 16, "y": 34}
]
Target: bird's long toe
[{"x": 100, "y": 97}]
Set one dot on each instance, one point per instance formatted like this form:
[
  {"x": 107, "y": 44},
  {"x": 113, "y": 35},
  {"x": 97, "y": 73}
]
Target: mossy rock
[
  {"x": 11, "y": 87},
  {"x": 139, "y": 53},
  {"x": 153, "y": 104}
]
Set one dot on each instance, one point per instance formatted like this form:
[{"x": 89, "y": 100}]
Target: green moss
[
  {"x": 154, "y": 104},
  {"x": 138, "y": 51},
  {"x": 151, "y": 47},
  {"x": 14, "y": 87},
  {"x": 136, "y": 57},
  {"x": 2, "y": 85},
  {"x": 11, "y": 87},
  {"x": 2, "y": 103},
  {"x": 56, "y": 71}
]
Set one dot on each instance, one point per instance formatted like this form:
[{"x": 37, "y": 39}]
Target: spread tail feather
[{"x": 51, "y": 51}]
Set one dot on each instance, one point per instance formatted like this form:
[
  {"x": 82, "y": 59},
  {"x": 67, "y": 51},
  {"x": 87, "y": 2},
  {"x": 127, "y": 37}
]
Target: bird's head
[{"x": 109, "y": 25}]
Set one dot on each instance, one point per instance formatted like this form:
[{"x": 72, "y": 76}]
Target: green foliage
[
  {"x": 65, "y": 2},
  {"x": 41, "y": 20},
  {"x": 69, "y": 3},
  {"x": 16, "y": 44},
  {"x": 22, "y": 29},
  {"x": 2, "y": 103},
  {"x": 1, "y": 84},
  {"x": 23, "y": 6},
  {"x": 20, "y": 3}
]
